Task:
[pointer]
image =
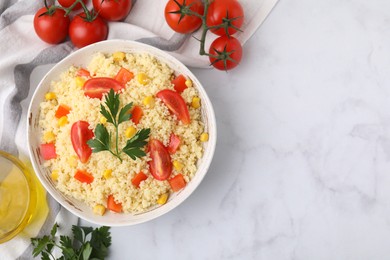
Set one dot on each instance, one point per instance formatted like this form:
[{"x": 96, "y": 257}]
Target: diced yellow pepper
[
  {"x": 50, "y": 96},
  {"x": 130, "y": 132},
  {"x": 80, "y": 82},
  {"x": 54, "y": 175},
  {"x": 72, "y": 161},
  {"x": 195, "y": 102},
  {"x": 103, "y": 120},
  {"x": 149, "y": 101},
  {"x": 142, "y": 78},
  {"x": 118, "y": 56},
  {"x": 99, "y": 210},
  {"x": 107, "y": 174},
  {"x": 63, "y": 121},
  {"x": 163, "y": 199},
  {"x": 49, "y": 137},
  {"x": 188, "y": 83},
  {"x": 204, "y": 137},
  {"x": 177, "y": 165}
]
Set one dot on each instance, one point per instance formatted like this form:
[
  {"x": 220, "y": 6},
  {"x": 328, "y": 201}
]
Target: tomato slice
[
  {"x": 112, "y": 205},
  {"x": 80, "y": 134},
  {"x": 83, "y": 73},
  {"x": 177, "y": 183},
  {"x": 136, "y": 114},
  {"x": 62, "y": 110},
  {"x": 84, "y": 176},
  {"x": 124, "y": 76},
  {"x": 160, "y": 165},
  {"x": 48, "y": 151},
  {"x": 96, "y": 87},
  {"x": 174, "y": 143},
  {"x": 136, "y": 181},
  {"x": 176, "y": 104},
  {"x": 179, "y": 83}
]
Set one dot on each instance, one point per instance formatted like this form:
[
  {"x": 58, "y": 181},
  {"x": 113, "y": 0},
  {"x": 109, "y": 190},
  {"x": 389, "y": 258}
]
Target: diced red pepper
[
  {"x": 112, "y": 205},
  {"x": 83, "y": 73},
  {"x": 48, "y": 151},
  {"x": 179, "y": 83},
  {"x": 174, "y": 143},
  {"x": 84, "y": 176},
  {"x": 124, "y": 76},
  {"x": 62, "y": 110},
  {"x": 136, "y": 114},
  {"x": 138, "y": 178},
  {"x": 177, "y": 183}
]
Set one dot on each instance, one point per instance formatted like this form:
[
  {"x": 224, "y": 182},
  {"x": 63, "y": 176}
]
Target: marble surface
[{"x": 302, "y": 165}]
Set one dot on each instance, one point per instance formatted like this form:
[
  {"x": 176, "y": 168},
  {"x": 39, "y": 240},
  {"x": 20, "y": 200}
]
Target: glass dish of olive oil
[{"x": 18, "y": 196}]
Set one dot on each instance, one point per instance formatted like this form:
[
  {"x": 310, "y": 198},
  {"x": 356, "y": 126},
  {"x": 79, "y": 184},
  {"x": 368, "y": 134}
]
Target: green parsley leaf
[
  {"x": 124, "y": 114},
  {"x": 101, "y": 141},
  {"x": 112, "y": 102},
  {"x": 134, "y": 145}
]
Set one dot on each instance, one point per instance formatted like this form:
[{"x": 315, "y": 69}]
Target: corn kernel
[
  {"x": 142, "y": 78},
  {"x": 107, "y": 174},
  {"x": 204, "y": 137},
  {"x": 103, "y": 120},
  {"x": 118, "y": 56},
  {"x": 54, "y": 175},
  {"x": 49, "y": 137},
  {"x": 63, "y": 121},
  {"x": 72, "y": 161},
  {"x": 99, "y": 210},
  {"x": 195, "y": 102},
  {"x": 177, "y": 165},
  {"x": 80, "y": 82},
  {"x": 149, "y": 101},
  {"x": 188, "y": 83},
  {"x": 130, "y": 132},
  {"x": 50, "y": 96},
  {"x": 163, "y": 199}
]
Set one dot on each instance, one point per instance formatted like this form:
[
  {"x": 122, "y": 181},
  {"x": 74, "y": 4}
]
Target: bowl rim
[{"x": 202, "y": 168}]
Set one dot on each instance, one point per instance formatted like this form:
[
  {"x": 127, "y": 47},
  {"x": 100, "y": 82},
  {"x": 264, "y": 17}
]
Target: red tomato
[
  {"x": 96, "y": 87},
  {"x": 160, "y": 165},
  {"x": 124, "y": 76},
  {"x": 83, "y": 32},
  {"x": 228, "y": 50},
  {"x": 51, "y": 28},
  {"x": 68, "y": 3},
  {"x": 84, "y": 176},
  {"x": 112, "y": 10},
  {"x": 112, "y": 205},
  {"x": 186, "y": 23},
  {"x": 176, "y": 104},
  {"x": 174, "y": 143},
  {"x": 138, "y": 178},
  {"x": 62, "y": 110},
  {"x": 48, "y": 151},
  {"x": 177, "y": 183},
  {"x": 179, "y": 83},
  {"x": 136, "y": 114},
  {"x": 79, "y": 135},
  {"x": 225, "y": 10},
  {"x": 83, "y": 73}
]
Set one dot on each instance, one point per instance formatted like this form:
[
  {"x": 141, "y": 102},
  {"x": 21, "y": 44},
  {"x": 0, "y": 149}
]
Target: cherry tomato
[
  {"x": 51, "y": 28},
  {"x": 225, "y": 10},
  {"x": 174, "y": 143},
  {"x": 187, "y": 23},
  {"x": 112, "y": 205},
  {"x": 48, "y": 151},
  {"x": 68, "y": 3},
  {"x": 83, "y": 32},
  {"x": 79, "y": 135},
  {"x": 160, "y": 165},
  {"x": 112, "y": 10},
  {"x": 179, "y": 83},
  {"x": 84, "y": 176},
  {"x": 96, "y": 87},
  {"x": 175, "y": 104},
  {"x": 229, "y": 51}
]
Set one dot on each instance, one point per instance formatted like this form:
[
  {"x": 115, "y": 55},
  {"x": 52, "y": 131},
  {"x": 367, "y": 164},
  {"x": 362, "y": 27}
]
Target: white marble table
[{"x": 302, "y": 165}]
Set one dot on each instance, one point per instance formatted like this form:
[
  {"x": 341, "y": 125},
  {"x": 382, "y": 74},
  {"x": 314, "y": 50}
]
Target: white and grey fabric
[{"x": 23, "y": 56}]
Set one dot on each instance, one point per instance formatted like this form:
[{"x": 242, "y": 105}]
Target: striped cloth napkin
[{"x": 23, "y": 57}]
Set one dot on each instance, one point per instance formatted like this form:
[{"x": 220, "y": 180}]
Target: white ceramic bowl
[{"x": 81, "y": 58}]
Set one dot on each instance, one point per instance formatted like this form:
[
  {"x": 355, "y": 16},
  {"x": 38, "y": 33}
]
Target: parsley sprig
[
  {"x": 102, "y": 139},
  {"x": 87, "y": 243}
]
